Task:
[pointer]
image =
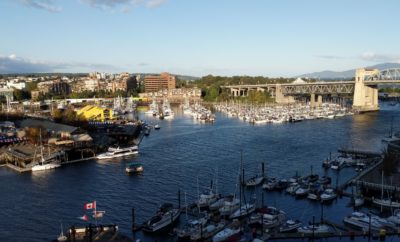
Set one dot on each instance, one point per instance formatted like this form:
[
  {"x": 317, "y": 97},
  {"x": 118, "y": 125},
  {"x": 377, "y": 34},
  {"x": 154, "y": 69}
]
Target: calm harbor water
[{"x": 34, "y": 204}]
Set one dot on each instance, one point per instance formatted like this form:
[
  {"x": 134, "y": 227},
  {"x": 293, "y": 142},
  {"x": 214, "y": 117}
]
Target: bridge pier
[
  {"x": 365, "y": 96},
  {"x": 280, "y": 97},
  {"x": 319, "y": 102},
  {"x": 312, "y": 100}
]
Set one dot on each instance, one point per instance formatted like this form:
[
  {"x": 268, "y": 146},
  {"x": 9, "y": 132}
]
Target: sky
[{"x": 197, "y": 37}]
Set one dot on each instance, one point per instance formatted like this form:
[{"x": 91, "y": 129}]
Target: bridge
[{"x": 364, "y": 89}]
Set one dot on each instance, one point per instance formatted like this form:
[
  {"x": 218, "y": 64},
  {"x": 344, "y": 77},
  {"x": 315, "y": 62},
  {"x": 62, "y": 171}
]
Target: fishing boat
[
  {"x": 290, "y": 226},
  {"x": 164, "y": 219},
  {"x": 134, "y": 167},
  {"x": 118, "y": 152}
]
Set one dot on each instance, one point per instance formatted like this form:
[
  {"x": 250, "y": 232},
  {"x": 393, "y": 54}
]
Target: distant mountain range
[{"x": 327, "y": 75}]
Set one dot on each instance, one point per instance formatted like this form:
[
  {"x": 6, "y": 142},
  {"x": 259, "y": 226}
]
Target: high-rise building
[{"x": 155, "y": 83}]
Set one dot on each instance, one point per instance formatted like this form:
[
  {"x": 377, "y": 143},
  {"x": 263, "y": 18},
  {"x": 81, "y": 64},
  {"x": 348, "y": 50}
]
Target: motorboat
[
  {"x": 254, "y": 181},
  {"x": 46, "y": 166},
  {"x": 118, "y": 152},
  {"x": 164, "y": 219},
  {"x": 219, "y": 203},
  {"x": 229, "y": 207},
  {"x": 134, "y": 167},
  {"x": 290, "y": 226},
  {"x": 157, "y": 126},
  {"x": 314, "y": 228},
  {"x": 225, "y": 234},
  {"x": 192, "y": 227},
  {"x": 301, "y": 192},
  {"x": 362, "y": 221},
  {"x": 206, "y": 199},
  {"x": 270, "y": 184},
  {"x": 207, "y": 232},
  {"x": 328, "y": 195}
]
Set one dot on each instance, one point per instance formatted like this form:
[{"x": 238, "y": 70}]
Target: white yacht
[
  {"x": 47, "y": 166},
  {"x": 118, "y": 152}
]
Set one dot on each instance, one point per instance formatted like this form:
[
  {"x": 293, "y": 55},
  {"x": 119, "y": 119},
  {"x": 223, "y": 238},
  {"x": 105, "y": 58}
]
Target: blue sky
[{"x": 197, "y": 37}]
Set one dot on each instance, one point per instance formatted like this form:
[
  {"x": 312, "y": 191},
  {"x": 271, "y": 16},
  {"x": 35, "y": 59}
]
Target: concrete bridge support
[
  {"x": 312, "y": 100},
  {"x": 319, "y": 103},
  {"x": 365, "y": 97},
  {"x": 281, "y": 98}
]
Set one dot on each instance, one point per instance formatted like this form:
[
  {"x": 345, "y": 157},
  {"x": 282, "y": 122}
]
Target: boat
[
  {"x": 362, "y": 222},
  {"x": 314, "y": 228},
  {"x": 62, "y": 237},
  {"x": 301, "y": 192},
  {"x": 270, "y": 184},
  {"x": 359, "y": 201},
  {"x": 192, "y": 227},
  {"x": 254, "y": 181},
  {"x": 206, "y": 232},
  {"x": 385, "y": 203},
  {"x": 225, "y": 234},
  {"x": 220, "y": 203},
  {"x": 229, "y": 207},
  {"x": 157, "y": 126},
  {"x": 290, "y": 226},
  {"x": 118, "y": 152},
  {"x": 244, "y": 210},
  {"x": 164, "y": 219},
  {"x": 328, "y": 195},
  {"x": 207, "y": 198},
  {"x": 134, "y": 167},
  {"x": 395, "y": 218},
  {"x": 45, "y": 164}
]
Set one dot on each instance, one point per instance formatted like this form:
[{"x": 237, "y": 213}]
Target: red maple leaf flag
[{"x": 91, "y": 205}]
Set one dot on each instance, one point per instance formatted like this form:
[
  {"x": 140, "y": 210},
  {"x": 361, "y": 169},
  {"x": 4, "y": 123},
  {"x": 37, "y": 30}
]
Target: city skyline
[{"x": 285, "y": 38}]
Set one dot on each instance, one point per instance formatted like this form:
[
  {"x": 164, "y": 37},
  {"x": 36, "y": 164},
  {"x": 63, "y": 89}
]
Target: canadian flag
[{"x": 91, "y": 205}]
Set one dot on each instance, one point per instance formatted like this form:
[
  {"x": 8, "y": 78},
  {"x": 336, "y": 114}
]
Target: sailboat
[
  {"x": 387, "y": 203},
  {"x": 62, "y": 237},
  {"x": 392, "y": 137},
  {"x": 45, "y": 166},
  {"x": 247, "y": 208}
]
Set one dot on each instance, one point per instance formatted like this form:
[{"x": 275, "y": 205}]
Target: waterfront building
[
  {"x": 16, "y": 83},
  {"x": 174, "y": 95},
  {"x": 7, "y": 92},
  {"x": 155, "y": 83},
  {"x": 96, "y": 113}
]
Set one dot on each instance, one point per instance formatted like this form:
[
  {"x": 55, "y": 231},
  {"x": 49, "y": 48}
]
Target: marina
[{"x": 181, "y": 129}]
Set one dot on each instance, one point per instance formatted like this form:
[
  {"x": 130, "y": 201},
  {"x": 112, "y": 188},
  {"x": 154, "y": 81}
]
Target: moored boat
[
  {"x": 134, "y": 167},
  {"x": 164, "y": 219},
  {"x": 118, "y": 152}
]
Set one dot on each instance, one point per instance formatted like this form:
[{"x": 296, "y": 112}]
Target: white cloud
[
  {"x": 376, "y": 57},
  {"x": 15, "y": 64},
  {"x": 47, "y": 5},
  {"x": 123, "y": 5}
]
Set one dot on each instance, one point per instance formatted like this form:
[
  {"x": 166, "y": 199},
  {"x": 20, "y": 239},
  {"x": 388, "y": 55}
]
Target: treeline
[
  {"x": 212, "y": 91},
  {"x": 390, "y": 89}
]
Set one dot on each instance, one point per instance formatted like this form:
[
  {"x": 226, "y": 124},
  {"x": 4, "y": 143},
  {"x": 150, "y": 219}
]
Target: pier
[{"x": 360, "y": 153}]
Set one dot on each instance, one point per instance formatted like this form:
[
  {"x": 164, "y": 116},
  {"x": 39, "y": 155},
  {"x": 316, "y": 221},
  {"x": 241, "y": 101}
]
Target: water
[{"x": 34, "y": 204}]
